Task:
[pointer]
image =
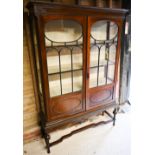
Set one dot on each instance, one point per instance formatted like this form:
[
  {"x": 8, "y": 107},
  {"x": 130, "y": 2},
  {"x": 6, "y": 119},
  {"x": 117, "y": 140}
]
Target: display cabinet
[{"x": 76, "y": 52}]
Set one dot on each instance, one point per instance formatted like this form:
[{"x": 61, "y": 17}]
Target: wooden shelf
[
  {"x": 53, "y": 62},
  {"x": 54, "y": 81}
]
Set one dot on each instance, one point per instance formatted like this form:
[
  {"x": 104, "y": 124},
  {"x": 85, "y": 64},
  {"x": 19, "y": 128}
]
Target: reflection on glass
[
  {"x": 66, "y": 83},
  {"x": 99, "y": 30},
  {"x": 60, "y": 31},
  {"x": 65, "y": 58},
  {"x": 102, "y": 78},
  {"x": 93, "y": 77},
  {"x": 64, "y": 43},
  {"x": 102, "y": 53},
  {"x": 77, "y": 80},
  {"x": 53, "y": 61},
  {"x": 111, "y": 70},
  {"x": 54, "y": 82},
  {"x": 77, "y": 58},
  {"x": 113, "y": 30},
  {"x": 94, "y": 56},
  {"x": 112, "y": 53}
]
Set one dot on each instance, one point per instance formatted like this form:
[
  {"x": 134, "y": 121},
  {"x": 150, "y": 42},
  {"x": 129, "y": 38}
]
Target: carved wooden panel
[
  {"x": 99, "y": 97},
  {"x": 66, "y": 105}
]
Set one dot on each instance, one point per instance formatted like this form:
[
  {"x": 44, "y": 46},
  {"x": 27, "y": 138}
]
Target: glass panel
[
  {"x": 53, "y": 61},
  {"x": 77, "y": 80},
  {"x": 94, "y": 56},
  {"x": 66, "y": 83},
  {"x": 61, "y": 31},
  {"x": 54, "y": 82},
  {"x": 111, "y": 67},
  {"x": 113, "y": 30},
  {"x": 102, "y": 79},
  {"x": 65, "y": 59},
  {"x": 102, "y": 53},
  {"x": 64, "y": 43},
  {"x": 99, "y": 30},
  {"x": 112, "y": 53},
  {"x": 77, "y": 58},
  {"x": 93, "y": 77},
  {"x": 103, "y": 60}
]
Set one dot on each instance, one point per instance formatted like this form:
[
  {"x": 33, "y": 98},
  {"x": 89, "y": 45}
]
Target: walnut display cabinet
[{"x": 76, "y": 54}]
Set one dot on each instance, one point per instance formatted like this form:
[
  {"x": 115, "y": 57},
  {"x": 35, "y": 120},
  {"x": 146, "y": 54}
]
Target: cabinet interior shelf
[
  {"x": 77, "y": 84},
  {"x": 74, "y": 70},
  {"x": 73, "y": 81}
]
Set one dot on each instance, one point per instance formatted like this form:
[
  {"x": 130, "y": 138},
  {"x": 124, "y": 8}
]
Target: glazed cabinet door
[
  {"x": 102, "y": 61},
  {"x": 64, "y": 65}
]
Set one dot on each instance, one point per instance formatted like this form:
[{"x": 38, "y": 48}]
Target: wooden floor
[{"x": 101, "y": 140}]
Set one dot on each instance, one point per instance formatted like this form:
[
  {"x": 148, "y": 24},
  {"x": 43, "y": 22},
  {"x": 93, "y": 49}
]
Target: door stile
[
  {"x": 88, "y": 62},
  {"x": 49, "y": 100},
  {"x": 84, "y": 61},
  {"x": 42, "y": 52}
]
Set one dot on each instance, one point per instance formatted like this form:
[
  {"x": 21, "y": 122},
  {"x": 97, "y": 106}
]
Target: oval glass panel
[
  {"x": 62, "y": 31},
  {"x": 99, "y": 30}
]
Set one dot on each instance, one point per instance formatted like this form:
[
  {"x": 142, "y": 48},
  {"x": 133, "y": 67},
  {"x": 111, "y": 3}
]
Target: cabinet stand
[{"x": 47, "y": 137}]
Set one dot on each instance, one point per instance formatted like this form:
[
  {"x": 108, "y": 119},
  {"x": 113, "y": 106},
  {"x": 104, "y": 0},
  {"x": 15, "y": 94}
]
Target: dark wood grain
[{"x": 68, "y": 104}]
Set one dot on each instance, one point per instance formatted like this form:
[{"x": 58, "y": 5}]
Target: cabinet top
[{"x": 40, "y": 7}]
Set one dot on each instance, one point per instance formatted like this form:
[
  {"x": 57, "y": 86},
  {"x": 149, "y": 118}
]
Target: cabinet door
[
  {"x": 102, "y": 61},
  {"x": 64, "y": 54}
]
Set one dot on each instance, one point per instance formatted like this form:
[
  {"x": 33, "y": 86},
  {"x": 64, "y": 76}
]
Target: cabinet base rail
[{"x": 47, "y": 137}]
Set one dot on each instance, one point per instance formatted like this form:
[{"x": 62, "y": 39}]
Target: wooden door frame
[
  {"x": 91, "y": 20},
  {"x": 42, "y": 20}
]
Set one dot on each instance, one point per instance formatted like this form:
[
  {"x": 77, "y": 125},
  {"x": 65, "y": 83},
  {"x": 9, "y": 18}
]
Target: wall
[{"x": 30, "y": 118}]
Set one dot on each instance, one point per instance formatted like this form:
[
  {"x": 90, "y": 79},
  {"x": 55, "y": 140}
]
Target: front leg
[
  {"x": 114, "y": 118},
  {"x": 47, "y": 139}
]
